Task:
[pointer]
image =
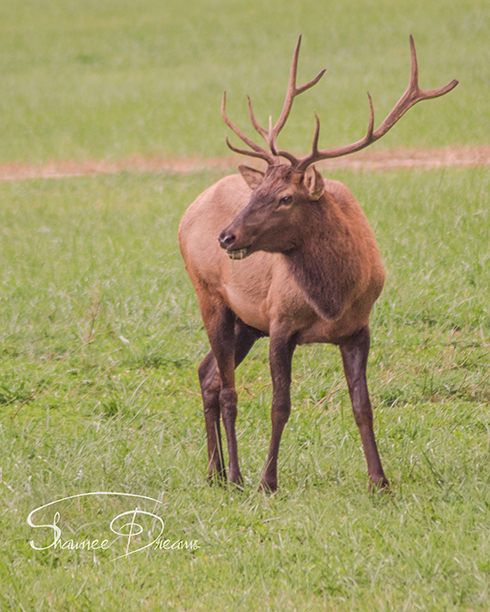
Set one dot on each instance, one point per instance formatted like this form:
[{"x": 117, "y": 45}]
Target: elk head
[
  {"x": 275, "y": 218},
  {"x": 282, "y": 197}
]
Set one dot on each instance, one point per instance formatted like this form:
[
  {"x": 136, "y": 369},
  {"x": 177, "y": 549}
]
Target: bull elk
[{"x": 306, "y": 269}]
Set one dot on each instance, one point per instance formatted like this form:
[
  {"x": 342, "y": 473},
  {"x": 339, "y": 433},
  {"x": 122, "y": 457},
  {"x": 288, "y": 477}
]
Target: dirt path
[{"x": 368, "y": 160}]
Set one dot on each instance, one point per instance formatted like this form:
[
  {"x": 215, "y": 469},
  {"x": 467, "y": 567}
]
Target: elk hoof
[
  {"x": 217, "y": 477},
  {"x": 236, "y": 481},
  {"x": 267, "y": 486},
  {"x": 382, "y": 485}
]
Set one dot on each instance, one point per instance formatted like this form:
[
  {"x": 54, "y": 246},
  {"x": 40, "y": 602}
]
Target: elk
[{"x": 289, "y": 255}]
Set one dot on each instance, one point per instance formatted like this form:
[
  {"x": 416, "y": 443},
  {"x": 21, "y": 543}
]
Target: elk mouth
[{"x": 239, "y": 253}]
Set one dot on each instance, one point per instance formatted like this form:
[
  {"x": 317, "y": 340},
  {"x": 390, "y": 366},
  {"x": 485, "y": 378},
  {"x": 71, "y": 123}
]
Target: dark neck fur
[{"x": 323, "y": 265}]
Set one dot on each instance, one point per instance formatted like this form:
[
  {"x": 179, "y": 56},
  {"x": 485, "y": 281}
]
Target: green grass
[
  {"x": 100, "y": 339},
  {"x": 112, "y": 79}
]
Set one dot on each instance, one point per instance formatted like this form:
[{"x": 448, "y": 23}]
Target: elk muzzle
[{"x": 229, "y": 242}]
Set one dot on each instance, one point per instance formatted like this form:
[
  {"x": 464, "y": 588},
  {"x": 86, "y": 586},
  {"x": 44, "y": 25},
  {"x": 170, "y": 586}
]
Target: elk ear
[
  {"x": 252, "y": 177},
  {"x": 314, "y": 183}
]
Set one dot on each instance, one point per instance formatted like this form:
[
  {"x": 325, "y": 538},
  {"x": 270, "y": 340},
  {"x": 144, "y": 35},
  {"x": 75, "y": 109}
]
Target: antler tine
[
  {"x": 270, "y": 135},
  {"x": 291, "y": 93},
  {"x": 259, "y": 154},
  {"x": 414, "y": 68},
  {"x": 255, "y": 123},
  {"x": 256, "y": 150},
  {"x": 412, "y": 95}
]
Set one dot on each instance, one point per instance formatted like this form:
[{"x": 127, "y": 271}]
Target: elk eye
[{"x": 285, "y": 200}]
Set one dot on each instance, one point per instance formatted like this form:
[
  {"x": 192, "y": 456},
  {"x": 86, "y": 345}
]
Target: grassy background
[
  {"x": 100, "y": 334},
  {"x": 84, "y": 78}
]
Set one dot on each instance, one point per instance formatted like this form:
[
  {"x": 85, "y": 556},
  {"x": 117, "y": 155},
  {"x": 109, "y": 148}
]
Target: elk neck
[{"x": 326, "y": 263}]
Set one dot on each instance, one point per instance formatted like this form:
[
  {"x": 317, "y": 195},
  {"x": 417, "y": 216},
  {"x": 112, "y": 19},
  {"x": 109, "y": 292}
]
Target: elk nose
[{"x": 226, "y": 239}]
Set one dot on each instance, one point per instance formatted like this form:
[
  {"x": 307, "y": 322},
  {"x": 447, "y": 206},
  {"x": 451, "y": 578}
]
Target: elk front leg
[
  {"x": 354, "y": 352},
  {"x": 281, "y": 355}
]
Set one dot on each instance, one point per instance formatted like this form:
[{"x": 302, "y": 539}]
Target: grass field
[
  {"x": 100, "y": 333},
  {"x": 100, "y": 340}
]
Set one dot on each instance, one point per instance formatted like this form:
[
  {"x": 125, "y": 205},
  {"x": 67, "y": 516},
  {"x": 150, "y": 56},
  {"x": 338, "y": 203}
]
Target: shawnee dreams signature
[{"x": 128, "y": 530}]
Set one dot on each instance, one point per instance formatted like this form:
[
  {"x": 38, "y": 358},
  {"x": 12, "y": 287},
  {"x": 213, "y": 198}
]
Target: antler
[
  {"x": 270, "y": 135},
  {"x": 412, "y": 95}
]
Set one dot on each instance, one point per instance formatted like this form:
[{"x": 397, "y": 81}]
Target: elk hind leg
[
  {"x": 210, "y": 389},
  {"x": 354, "y": 352},
  {"x": 210, "y": 379}
]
